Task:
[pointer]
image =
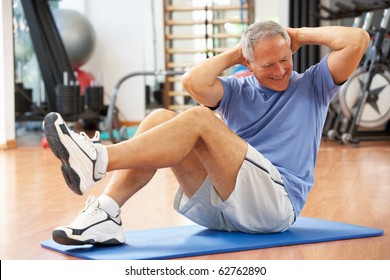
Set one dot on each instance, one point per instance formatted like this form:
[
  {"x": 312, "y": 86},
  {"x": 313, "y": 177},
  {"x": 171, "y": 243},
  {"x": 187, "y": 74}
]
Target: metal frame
[
  {"x": 112, "y": 121},
  {"x": 51, "y": 54}
]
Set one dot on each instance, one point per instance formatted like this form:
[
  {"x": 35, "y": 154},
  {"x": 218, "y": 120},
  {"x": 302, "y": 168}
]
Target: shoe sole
[
  {"x": 59, "y": 150},
  {"x": 61, "y": 237}
]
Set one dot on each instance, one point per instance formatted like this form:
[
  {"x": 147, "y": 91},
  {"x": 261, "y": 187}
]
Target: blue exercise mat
[{"x": 194, "y": 240}]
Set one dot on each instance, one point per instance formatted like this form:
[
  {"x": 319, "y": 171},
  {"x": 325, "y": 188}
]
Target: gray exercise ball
[{"x": 77, "y": 34}]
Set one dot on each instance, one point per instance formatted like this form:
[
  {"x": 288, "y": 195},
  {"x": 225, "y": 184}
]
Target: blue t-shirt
[{"x": 285, "y": 127}]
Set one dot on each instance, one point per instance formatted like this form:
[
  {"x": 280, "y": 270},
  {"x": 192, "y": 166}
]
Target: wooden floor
[{"x": 352, "y": 186}]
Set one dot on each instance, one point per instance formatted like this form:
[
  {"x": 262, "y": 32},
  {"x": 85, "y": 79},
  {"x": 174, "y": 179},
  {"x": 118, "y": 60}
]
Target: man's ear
[{"x": 248, "y": 65}]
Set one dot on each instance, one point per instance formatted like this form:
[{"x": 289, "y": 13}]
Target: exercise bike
[
  {"x": 364, "y": 100},
  {"x": 365, "y": 97}
]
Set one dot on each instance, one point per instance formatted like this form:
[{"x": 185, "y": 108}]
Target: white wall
[
  {"x": 154, "y": 58},
  {"x": 272, "y": 10},
  {"x": 7, "y": 107}
]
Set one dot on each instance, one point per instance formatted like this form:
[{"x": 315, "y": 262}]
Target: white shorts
[{"x": 258, "y": 204}]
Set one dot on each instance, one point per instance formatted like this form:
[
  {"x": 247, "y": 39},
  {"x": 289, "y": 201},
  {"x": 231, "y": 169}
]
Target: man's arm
[
  {"x": 202, "y": 83},
  {"x": 348, "y": 45}
]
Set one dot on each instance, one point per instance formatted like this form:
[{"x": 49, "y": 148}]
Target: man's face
[{"x": 273, "y": 63}]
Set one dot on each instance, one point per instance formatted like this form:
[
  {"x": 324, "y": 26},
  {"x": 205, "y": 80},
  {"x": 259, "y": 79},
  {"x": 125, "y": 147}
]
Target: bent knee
[
  {"x": 160, "y": 116},
  {"x": 201, "y": 113},
  {"x": 200, "y": 110},
  {"x": 155, "y": 118}
]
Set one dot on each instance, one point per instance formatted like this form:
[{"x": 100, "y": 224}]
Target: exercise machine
[
  {"x": 363, "y": 103},
  {"x": 49, "y": 48},
  {"x": 112, "y": 121}
]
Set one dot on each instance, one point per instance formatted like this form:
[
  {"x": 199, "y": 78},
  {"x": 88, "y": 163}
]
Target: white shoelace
[
  {"x": 89, "y": 142},
  {"x": 89, "y": 212}
]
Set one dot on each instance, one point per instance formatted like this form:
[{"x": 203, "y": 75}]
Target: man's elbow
[
  {"x": 190, "y": 85},
  {"x": 362, "y": 41},
  {"x": 186, "y": 81}
]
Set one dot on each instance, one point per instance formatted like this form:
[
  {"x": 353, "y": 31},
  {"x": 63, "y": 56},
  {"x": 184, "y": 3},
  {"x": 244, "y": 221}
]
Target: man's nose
[{"x": 278, "y": 69}]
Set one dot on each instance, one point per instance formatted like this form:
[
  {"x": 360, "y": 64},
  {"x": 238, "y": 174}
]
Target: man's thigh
[
  {"x": 218, "y": 154},
  {"x": 222, "y": 153}
]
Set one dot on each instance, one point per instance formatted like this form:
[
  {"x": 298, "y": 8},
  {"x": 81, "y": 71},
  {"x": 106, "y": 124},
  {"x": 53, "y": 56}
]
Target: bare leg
[
  {"x": 125, "y": 183},
  {"x": 195, "y": 133}
]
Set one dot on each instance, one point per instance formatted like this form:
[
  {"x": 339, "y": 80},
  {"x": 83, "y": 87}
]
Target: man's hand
[
  {"x": 293, "y": 33},
  {"x": 243, "y": 61}
]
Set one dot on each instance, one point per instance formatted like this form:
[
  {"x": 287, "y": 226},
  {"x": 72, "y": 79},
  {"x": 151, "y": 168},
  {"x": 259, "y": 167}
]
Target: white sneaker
[
  {"x": 82, "y": 166},
  {"x": 92, "y": 226}
]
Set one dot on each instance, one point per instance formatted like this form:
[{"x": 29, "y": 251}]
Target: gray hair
[{"x": 258, "y": 32}]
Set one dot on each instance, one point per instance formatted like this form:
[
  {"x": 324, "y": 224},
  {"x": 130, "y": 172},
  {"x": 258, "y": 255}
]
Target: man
[{"x": 251, "y": 173}]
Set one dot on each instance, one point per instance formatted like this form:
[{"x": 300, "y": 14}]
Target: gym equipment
[
  {"x": 112, "y": 121},
  {"x": 373, "y": 83},
  {"x": 364, "y": 100},
  {"x": 77, "y": 34},
  {"x": 49, "y": 48},
  {"x": 93, "y": 98},
  {"x": 335, "y": 117},
  {"x": 195, "y": 240},
  {"x": 57, "y": 57},
  {"x": 69, "y": 101},
  {"x": 376, "y": 110}
]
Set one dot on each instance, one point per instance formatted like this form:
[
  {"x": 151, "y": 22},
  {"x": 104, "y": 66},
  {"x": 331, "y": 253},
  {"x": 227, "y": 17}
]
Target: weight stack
[
  {"x": 69, "y": 100},
  {"x": 93, "y": 98}
]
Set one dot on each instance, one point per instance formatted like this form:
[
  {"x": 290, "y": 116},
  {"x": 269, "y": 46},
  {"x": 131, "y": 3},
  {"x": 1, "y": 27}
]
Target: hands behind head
[
  {"x": 243, "y": 60},
  {"x": 293, "y": 33}
]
